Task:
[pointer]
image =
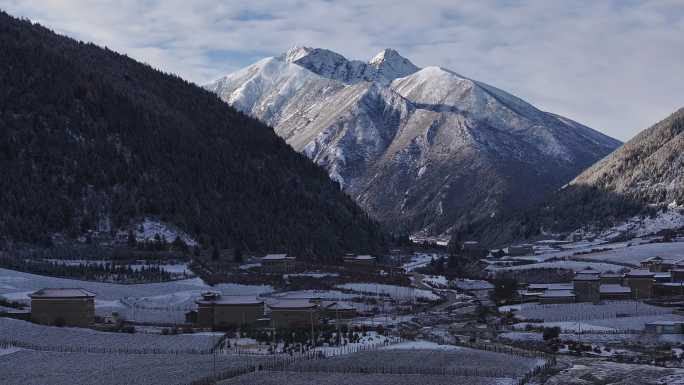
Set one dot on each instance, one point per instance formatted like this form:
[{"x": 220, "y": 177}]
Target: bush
[{"x": 551, "y": 333}]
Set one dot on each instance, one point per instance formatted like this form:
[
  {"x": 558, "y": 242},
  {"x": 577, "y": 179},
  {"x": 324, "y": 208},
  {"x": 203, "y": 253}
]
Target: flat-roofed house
[
  {"x": 611, "y": 279},
  {"x": 524, "y": 249},
  {"x": 641, "y": 282},
  {"x": 225, "y": 311},
  {"x": 615, "y": 292},
  {"x": 63, "y": 307},
  {"x": 557, "y": 296},
  {"x": 665, "y": 327},
  {"x": 587, "y": 286},
  {"x": 277, "y": 263},
  {"x": 295, "y": 313},
  {"x": 335, "y": 310}
]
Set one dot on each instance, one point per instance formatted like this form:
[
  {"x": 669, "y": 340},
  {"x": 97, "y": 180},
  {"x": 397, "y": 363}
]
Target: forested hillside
[
  {"x": 643, "y": 176},
  {"x": 89, "y": 135}
]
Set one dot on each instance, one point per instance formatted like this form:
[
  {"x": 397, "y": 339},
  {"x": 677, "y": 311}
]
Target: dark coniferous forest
[{"x": 87, "y": 133}]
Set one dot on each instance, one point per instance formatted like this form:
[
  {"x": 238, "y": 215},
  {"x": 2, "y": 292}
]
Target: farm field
[
  {"x": 635, "y": 254},
  {"x": 569, "y": 265},
  {"x": 26, "y": 334},
  {"x": 608, "y": 310},
  {"x": 457, "y": 361},
  {"x": 295, "y": 378},
  {"x": 28, "y": 367}
]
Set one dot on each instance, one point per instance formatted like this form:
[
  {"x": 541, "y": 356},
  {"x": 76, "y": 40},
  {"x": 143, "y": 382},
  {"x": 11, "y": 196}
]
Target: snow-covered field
[
  {"x": 29, "y": 367},
  {"x": 569, "y": 265},
  {"x": 295, "y": 378},
  {"x": 400, "y": 293},
  {"x": 418, "y": 260},
  {"x": 420, "y": 358},
  {"x": 30, "y": 335},
  {"x": 635, "y": 254},
  {"x": 609, "y": 310}
]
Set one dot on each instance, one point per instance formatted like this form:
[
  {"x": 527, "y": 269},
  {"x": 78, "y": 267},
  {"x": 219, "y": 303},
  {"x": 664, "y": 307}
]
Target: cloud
[{"x": 613, "y": 65}]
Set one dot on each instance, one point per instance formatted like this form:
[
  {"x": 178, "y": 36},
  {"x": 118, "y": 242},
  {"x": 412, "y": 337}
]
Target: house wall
[
  {"x": 67, "y": 311},
  {"x": 587, "y": 291},
  {"x": 293, "y": 318},
  {"x": 641, "y": 287}
]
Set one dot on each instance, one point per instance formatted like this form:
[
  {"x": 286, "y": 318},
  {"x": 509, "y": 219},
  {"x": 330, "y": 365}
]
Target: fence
[{"x": 6, "y": 343}]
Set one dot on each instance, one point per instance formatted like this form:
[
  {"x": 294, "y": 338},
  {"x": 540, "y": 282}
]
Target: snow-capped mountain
[{"x": 425, "y": 150}]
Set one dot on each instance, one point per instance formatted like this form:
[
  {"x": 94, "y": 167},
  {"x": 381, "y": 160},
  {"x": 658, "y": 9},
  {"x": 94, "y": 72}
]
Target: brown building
[
  {"x": 615, "y": 292},
  {"x": 63, "y": 307},
  {"x": 611, "y": 279},
  {"x": 335, "y": 311},
  {"x": 587, "y": 286},
  {"x": 290, "y": 314},
  {"x": 677, "y": 275},
  {"x": 277, "y": 264},
  {"x": 214, "y": 310},
  {"x": 557, "y": 296},
  {"x": 641, "y": 283}
]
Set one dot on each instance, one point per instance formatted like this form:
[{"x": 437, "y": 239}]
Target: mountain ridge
[
  {"x": 89, "y": 135},
  {"x": 405, "y": 145}
]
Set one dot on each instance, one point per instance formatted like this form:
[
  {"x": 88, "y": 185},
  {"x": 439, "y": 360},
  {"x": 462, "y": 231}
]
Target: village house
[
  {"x": 641, "y": 282},
  {"x": 295, "y": 313},
  {"x": 63, "y": 307},
  {"x": 277, "y": 264},
  {"x": 215, "y": 310},
  {"x": 587, "y": 286},
  {"x": 517, "y": 250}
]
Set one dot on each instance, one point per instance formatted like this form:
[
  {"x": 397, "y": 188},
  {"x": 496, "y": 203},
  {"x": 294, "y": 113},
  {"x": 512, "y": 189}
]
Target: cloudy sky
[{"x": 613, "y": 65}]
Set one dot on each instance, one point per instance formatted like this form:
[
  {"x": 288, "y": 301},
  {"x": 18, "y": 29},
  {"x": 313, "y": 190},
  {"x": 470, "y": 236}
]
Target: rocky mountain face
[
  {"x": 424, "y": 150},
  {"x": 92, "y": 141}
]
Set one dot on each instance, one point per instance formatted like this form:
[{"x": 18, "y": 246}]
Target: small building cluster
[{"x": 214, "y": 310}]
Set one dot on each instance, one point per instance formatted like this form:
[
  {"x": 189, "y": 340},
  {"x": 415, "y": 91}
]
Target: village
[{"x": 550, "y": 304}]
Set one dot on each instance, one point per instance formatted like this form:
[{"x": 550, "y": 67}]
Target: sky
[{"x": 612, "y": 65}]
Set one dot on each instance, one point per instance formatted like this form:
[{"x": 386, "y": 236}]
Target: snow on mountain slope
[{"x": 421, "y": 149}]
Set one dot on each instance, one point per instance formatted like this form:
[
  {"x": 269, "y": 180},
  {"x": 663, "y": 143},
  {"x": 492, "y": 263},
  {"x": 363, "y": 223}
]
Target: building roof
[
  {"x": 557, "y": 294},
  {"x": 611, "y": 275},
  {"x": 653, "y": 259},
  {"x": 640, "y": 273},
  {"x": 590, "y": 271},
  {"x": 232, "y": 300},
  {"x": 615, "y": 289},
  {"x": 665, "y": 323},
  {"x": 338, "y": 306},
  {"x": 62, "y": 293},
  {"x": 294, "y": 304},
  {"x": 586, "y": 277},
  {"x": 550, "y": 286},
  {"x": 275, "y": 257},
  {"x": 364, "y": 257}
]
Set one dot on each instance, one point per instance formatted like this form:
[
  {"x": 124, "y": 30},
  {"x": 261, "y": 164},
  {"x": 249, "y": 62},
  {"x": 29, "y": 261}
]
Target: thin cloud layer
[{"x": 613, "y": 65}]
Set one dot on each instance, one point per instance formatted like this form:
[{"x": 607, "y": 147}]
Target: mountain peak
[{"x": 387, "y": 54}]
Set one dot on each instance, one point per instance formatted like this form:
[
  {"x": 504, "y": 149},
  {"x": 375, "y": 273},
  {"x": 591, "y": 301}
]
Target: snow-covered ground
[
  {"x": 641, "y": 226},
  {"x": 165, "y": 301},
  {"x": 149, "y": 228},
  {"x": 569, "y": 265},
  {"x": 418, "y": 260}
]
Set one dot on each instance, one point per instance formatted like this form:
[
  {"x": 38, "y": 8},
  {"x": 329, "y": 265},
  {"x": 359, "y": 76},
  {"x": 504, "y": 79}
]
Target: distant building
[
  {"x": 63, "y": 307},
  {"x": 335, "y": 311},
  {"x": 665, "y": 327},
  {"x": 524, "y": 249},
  {"x": 641, "y": 282},
  {"x": 557, "y": 296},
  {"x": 360, "y": 260},
  {"x": 677, "y": 275},
  {"x": 587, "y": 286},
  {"x": 215, "y": 310},
  {"x": 277, "y": 263},
  {"x": 290, "y": 314},
  {"x": 611, "y": 279},
  {"x": 657, "y": 264},
  {"x": 613, "y": 292}
]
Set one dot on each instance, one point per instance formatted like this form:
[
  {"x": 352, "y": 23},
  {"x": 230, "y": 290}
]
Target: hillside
[
  {"x": 423, "y": 150},
  {"x": 92, "y": 141},
  {"x": 643, "y": 178}
]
